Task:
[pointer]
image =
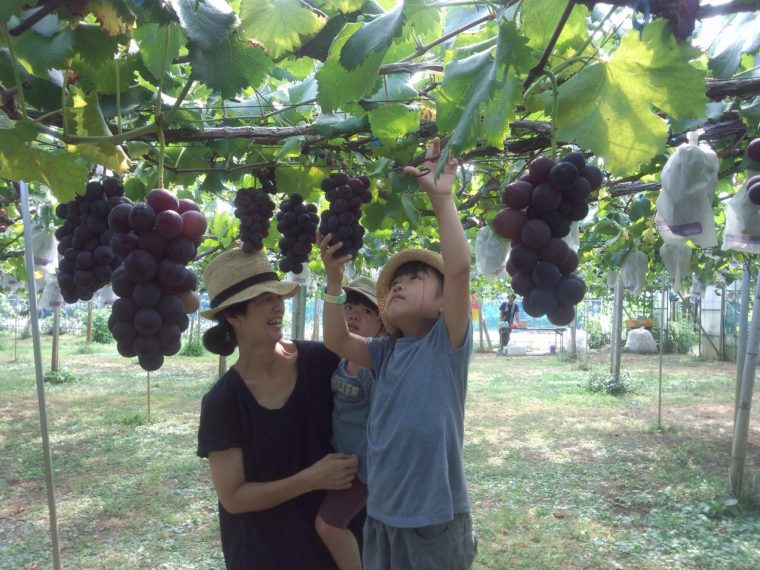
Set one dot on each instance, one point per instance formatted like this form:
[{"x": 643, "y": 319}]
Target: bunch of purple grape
[
  {"x": 753, "y": 184},
  {"x": 753, "y": 189},
  {"x": 254, "y": 209},
  {"x": 157, "y": 240},
  {"x": 84, "y": 239},
  {"x": 297, "y": 222},
  {"x": 346, "y": 196},
  {"x": 540, "y": 206}
]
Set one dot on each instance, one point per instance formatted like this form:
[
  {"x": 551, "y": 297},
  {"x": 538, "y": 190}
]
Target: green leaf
[
  {"x": 479, "y": 93},
  {"x": 231, "y": 66},
  {"x": 113, "y": 15},
  {"x": 641, "y": 208},
  {"x": 330, "y": 126},
  {"x": 338, "y": 85},
  {"x": 291, "y": 148},
  {"x": 411, "y": 213},
  {"x": 280, "y": 26},
  {"x": 86, "y": 119},
  {"x": 151, "y": 38},
  {"x": 302, "y": 179},
  {"x": 390, "y": 122},
  {"x": 539, "y": 18},
  {"x": 607, "y": 107},
  {"x": 10, "y": 8},
  {"x": 93, "y": 46},
  {"x": 205, "y": 23},
  {"x": 20, "y": 160},
  {"x": 41, "y": 52},
  {"x": 740, "y": 35},
  {"x": 344, "y": 6},
  {"x": 102, "y": 78},
  {"x": 372, "y": 38}
]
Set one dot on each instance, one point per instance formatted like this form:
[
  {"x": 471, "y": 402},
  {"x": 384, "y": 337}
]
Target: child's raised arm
[
  {"x": 455, "y": 249},
  {"x": 337, "y": 337}
]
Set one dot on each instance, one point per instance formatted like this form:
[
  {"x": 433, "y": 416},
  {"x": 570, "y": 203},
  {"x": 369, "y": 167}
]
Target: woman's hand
[
  {"x": 442, "y": 186},
  {"x": 333, "y": 472},
  {"x": 333, "y": 266}
]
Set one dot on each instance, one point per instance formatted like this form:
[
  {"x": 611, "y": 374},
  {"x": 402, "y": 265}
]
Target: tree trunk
[{"x": 739, "y": 447}]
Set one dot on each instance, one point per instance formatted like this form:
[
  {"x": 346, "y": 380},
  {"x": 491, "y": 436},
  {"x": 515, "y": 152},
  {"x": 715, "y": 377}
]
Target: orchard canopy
[{"x": 198, "y": 95}]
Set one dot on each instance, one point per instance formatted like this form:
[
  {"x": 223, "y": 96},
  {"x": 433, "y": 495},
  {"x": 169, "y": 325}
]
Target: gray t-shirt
[
  {"x": 416, "y": 429},
  {"x": 351, "y": 395}
]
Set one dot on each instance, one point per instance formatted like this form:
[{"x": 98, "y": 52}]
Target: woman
[{"x": 266, "y": 424}]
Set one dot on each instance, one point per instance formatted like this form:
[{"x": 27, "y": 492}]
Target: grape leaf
[
  {"x": 479, "y": 93},
  {"x": 302, "y": 179},
  {"x": 280, "y": 26},
  {"x": 205, "y": 23},
  {"x": 10, "y": 8},
  {"x": 607, "y": 107},
  {"x": 94, "y": 46},
  {"x": 539, "y": 18},
  {"x": 338, "y": 85},
  {"x": 41, "y": 52},
  {"x": 86, "y": 119},
  {"x": 372, "y": 38},
  {"x": 390, "y": 122},
  {"x": 344, "y": 6},
  {"x": 151, "y": 39},
  {"x": 114, "y": 16},
  {"x": 741, "y": 35},
  {"x": 20, "y": 160},
  {"x": 231, "y": 66}
]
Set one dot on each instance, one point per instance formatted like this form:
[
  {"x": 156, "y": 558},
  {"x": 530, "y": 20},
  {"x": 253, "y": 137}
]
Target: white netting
[
  {"x": 490, "y": 254},
  {"x": 684, "y": 206},
  {"x": 640, "y": 341},
  {"x": 742, "y": 222},
  {"x": 633, "y": 271},
  {"x": 677, "y": 259}
]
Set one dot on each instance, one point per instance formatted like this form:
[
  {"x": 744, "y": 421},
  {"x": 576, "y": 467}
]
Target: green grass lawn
[{"x": 558, "y": 477}]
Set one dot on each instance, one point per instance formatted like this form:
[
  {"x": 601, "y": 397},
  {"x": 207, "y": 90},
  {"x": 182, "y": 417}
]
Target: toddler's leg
[{"x": 342, "y": 545}]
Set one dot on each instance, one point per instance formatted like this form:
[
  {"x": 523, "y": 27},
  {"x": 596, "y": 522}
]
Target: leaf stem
[
  {"x": 535, "y": 73},
  {"x": 185, "y": 90},
  {"x": 427, "y": 47},
  {"x": 118, "y": 95},
  {"x": 161, "y": 156}
]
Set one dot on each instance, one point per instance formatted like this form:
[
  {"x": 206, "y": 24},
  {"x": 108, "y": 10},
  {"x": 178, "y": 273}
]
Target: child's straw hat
[{"x": 430, "y": 258}]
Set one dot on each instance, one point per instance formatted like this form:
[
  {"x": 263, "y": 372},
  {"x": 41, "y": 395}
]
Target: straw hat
[
  {"x": 430, "y": 258},
  {"x": 365, "y": 287},
  {"x": 235, "y": 276}
]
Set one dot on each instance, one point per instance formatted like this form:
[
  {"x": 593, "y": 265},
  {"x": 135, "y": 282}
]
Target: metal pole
[
  {"x": 48, "y": 458},
  {"x": 663, "y": 336},
  {"x": 722, "y": 321},
  {"x": 480, "y": 322},
  {"x": 741, "y": 345},
  {"x": 15, "y": 335},
  {"x": 148, "y": 373},
  {"x": 222, "y": 365},
  {"x": 56, "y": 339},
  {"x": 88, "y": 336},
  {"x": 298, "y": 322},
  {"x": 618, "y": 322}
]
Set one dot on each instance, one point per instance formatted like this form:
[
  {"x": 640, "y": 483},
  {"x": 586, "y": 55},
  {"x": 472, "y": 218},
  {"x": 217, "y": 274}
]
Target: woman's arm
[{"x": 334, "y": 471}]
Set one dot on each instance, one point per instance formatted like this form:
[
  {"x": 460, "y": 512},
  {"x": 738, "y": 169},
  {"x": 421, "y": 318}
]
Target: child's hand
[
  {"x": 442, "y": 186},
  {"x": 333, "y": 266}
]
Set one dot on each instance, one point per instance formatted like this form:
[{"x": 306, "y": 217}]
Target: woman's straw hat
[
  {"x": 365, "y": 287},
  {"x": 235, "y": 276},
  {"x": 430, "y": 258}
]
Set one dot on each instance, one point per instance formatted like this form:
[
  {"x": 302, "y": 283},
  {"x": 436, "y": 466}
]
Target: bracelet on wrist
[{"x": 337, "y": 299}]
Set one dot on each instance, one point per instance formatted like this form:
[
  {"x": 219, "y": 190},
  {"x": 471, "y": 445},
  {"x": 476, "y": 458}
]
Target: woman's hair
[
  {"x": 220, "y": 339},
  {"x": 356, "y": 298}
]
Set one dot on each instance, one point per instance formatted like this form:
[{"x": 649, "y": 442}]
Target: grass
[{"x": 558, "y": 477}]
